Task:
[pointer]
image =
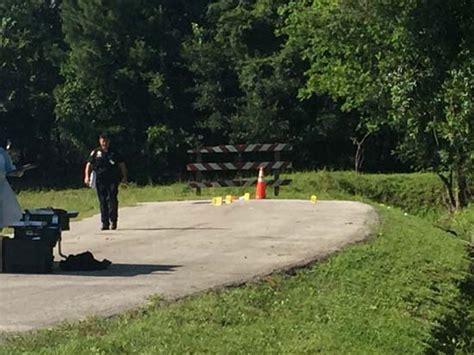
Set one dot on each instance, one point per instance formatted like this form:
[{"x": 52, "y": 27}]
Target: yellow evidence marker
[
  {"x": 313, "y": 199},
  {"x": 246, "y": 196},
  {"x": 228, "y": 199},
  {"x": 217, "y": 201}
]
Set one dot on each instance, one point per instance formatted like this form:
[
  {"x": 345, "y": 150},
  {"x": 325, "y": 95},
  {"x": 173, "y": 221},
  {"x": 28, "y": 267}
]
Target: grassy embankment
[{"x": 405, "y": 291}]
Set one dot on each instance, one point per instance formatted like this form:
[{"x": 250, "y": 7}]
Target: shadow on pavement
[
  {"x": 122, "y": 270},
  {"x": 171, "y": 229}
]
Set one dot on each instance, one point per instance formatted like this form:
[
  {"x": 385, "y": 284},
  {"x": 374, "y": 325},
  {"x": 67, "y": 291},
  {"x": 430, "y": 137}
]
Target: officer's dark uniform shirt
[{"x": 106, "y": 164}]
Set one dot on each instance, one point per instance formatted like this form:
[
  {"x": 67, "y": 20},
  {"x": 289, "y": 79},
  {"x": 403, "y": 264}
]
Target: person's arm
[
  {"x": 10, "y": 169},
  {"x": 124, "y": 172},
  {"x": 87, "y": 173},
  {"x": 9, "y": 166},
  {"x": 16, "y": 173}
]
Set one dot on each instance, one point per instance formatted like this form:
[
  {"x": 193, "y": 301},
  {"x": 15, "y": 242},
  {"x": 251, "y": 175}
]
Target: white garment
[{"x": 10, "y": 210}]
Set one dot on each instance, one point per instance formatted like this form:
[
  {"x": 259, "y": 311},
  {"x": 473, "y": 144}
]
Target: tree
[
  {"x": 31, "y": 49},
  {"x": 246, "y": 85},
  {"x": 232, "y": 57},
  {"x": 399, "y": 64},
  {"x": 124, "y": 74}
]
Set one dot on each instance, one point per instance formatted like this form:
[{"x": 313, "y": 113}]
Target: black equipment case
[
  {"x": 54, "y": 217},
  {"x": 31, "y": 248},
  {"x": 51, "y": 235},
  {"x": 27, "y": 256}
]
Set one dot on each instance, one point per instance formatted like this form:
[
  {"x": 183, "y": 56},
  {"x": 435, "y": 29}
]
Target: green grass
[
  {"x": 85, "y": 200},
  {"x": 416, "y": 193},
  {"x": 398, "y": 293},
  {"x": 420, "y": 193}
]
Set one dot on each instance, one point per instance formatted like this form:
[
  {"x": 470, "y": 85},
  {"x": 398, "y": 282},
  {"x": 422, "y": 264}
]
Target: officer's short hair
[{"x": 104, "y": 136}]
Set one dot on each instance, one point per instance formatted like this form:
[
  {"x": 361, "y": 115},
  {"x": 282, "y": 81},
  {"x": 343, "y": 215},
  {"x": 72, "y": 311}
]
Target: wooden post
[
  {"x": 198, "y": 173},
  {"x": 238, "y": 175},
  {"x": 276, "y": 189}
]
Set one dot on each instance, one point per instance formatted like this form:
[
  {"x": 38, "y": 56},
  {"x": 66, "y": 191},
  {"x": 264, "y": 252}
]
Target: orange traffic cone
[{"x": 260, "y": 193}]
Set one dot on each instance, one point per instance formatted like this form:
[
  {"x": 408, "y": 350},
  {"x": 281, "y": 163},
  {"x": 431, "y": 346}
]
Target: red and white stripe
[
  {"x": 236, "y": 183},
  {"x": 268, "y": 165},
  {"x": 236, "y": 148}
]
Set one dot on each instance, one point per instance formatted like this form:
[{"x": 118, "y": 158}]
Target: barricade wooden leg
[
  {"x": 276, "y": 188},
  {"x": 198, "y": 174}
]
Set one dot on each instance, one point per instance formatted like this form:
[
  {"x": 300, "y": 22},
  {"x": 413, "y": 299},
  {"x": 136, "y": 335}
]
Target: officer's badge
[{"x": 99, "y": 154}]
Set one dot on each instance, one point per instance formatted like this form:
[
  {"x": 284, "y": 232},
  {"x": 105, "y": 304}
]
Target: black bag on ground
[{"x": 83, "y": 262}]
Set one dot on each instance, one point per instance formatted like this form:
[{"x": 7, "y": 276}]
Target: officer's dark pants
[{"x": 107, "y": 193}]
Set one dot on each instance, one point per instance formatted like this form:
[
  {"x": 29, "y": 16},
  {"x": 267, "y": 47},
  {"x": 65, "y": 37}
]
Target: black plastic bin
[{"x": 27, "y": 256}]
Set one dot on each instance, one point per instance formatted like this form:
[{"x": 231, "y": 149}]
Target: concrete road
[{"x": 179, "y": 248}]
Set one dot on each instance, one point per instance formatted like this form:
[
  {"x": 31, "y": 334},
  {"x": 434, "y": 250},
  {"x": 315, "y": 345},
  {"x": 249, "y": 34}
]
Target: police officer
[{"x": 109, "y": 168}]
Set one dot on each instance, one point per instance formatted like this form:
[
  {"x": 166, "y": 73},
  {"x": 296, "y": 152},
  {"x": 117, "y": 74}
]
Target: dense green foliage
[
  {"x": 404, "y": 64},
  {"x": 374, "y": 85},
  {"x": 30, "y": 56},
  {"x": 124, "y": 74},
  {"x": 405, "y": 291}
]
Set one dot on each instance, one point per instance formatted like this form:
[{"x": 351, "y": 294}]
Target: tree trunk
[
  {"x": 359, "y": 158},
  {"x": 359, "y": 154},
  {"x": 462, "y": 190},
  {"x": 448, "y": 184},
  {"x": 457, "y": 190}
]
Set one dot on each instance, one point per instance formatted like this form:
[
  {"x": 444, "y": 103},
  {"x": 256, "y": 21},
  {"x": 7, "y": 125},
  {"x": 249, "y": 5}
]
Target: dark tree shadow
[{"x": 455, "y": 332}]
